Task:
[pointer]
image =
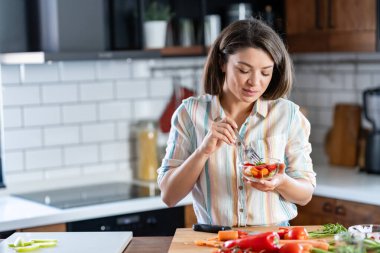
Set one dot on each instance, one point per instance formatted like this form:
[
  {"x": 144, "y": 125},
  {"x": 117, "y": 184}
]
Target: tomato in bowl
[{"x": 266, "y": 169}]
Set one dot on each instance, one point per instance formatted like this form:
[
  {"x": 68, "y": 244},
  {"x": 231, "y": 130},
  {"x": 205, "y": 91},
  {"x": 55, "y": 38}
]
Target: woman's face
[{"x": 248, "y": 74}]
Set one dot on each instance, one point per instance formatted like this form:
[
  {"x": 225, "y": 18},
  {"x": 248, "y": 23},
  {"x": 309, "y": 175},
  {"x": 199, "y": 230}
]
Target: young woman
[{"x": 247, "y": 75}]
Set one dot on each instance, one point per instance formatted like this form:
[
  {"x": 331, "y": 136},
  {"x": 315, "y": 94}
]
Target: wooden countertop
[{"x": 149, "y": 244}]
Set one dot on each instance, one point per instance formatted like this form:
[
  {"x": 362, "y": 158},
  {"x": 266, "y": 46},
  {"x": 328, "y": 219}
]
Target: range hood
[{"x": 64, "y": 30}]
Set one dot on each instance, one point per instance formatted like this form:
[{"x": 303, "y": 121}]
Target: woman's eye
[
  {"x": 266, "y": 74},
  {"x": 243, "y": 71}
]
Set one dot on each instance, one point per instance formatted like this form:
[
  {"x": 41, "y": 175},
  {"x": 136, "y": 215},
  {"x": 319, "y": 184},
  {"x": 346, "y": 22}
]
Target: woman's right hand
[{"x": 221, "y": 131}]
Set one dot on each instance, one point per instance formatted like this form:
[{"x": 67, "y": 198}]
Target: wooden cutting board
[{"x": 183, "y": 240}]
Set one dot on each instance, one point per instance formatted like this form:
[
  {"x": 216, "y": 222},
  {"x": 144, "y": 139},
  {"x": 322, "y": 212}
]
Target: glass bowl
[
  {"x": 371, "y": 231},
  {"x": 266, "y": 170}
]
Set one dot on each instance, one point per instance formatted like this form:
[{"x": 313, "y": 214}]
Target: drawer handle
[
  {"x": 340, "y": 210},
  {"x": 327, "y": 207}
]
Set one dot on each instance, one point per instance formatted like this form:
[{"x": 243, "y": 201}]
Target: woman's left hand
[{"x": 269, "y": 185}]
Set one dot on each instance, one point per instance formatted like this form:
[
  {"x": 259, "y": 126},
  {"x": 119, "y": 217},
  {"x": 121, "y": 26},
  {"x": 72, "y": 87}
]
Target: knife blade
[{"x": 209, "y": 228}]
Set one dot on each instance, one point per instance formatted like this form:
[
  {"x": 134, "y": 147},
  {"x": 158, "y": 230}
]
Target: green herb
[
  {"x": 328, "y": 230},
  {"x": 157, "y": 11},
  {"x": 259, "y": 163}
]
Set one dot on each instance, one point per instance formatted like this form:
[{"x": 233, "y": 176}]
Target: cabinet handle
[
  {"x": 318, "y": 22},
  {"x": 340, "y": 210},
  {"x": 327, "y": 207},
  {"x": 330, "y": 20}
]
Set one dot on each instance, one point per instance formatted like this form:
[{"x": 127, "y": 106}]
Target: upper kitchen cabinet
[{"x": 331, "y": 25}]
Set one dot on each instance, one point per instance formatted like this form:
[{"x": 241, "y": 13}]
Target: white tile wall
[{"x": 71, "y": 119}]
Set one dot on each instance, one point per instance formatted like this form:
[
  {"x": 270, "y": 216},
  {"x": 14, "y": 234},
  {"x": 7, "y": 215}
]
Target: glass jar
[{"x": 147, "y": 151}]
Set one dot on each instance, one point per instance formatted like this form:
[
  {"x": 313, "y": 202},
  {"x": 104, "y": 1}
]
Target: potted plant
[{"x": 156, "y": 18}]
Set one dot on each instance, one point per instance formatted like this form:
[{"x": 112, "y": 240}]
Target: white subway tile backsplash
[
  {"x": 12, "y": 117},
  {"x": 344, "y": 97},
  {"x": 318, "y": 99},
  {"x": 149, "y": 109},
  {"x": 114, "y": 151},
  {"x": 96, "y": 91},
  {"x": 24, "y": 177},
  {"x": 33, "y": 73},
  {"x": 349, "y": 81},
  {"x": 79, "y": 113},
  {"x": 63, "y": 173},
  {"x": 61, "y": 135},
  {"x": 84, "y": 154},
  {"x": 21, "y": 95},
  {"x": 60, "y": 93},
  {"x": 113, "y": 69},
  {"x": 101, "y": 168},
  {"x": 43, "y": 158},
  {"x": 140, "y": 69},
  {"x": 330, "y": 81},
  {"x": 77, "y": 71},
  {"x": 22, "y": 138},
  {"x": 10, "y": 74},
  {"x": 132, "y": 89},
  {"x": 369, "y": 67},
  {"x": 13, "y": 162},
  {"x": 161, "y": 87},
  {"x": 123, "y": 131},
  {"x": 304, "y": 80},
  {"x": 42, "y": 116},
  {"x": 118, "y": 110},
  {"x": 98, "y": 132},
  {"x": 318, "y": 134}
]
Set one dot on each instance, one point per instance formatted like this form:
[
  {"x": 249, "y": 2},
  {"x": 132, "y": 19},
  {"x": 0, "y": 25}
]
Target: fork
[{"x": 248, "y": 150}]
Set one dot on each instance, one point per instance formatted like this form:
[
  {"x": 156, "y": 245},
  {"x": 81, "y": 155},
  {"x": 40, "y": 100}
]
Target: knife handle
[{"x": 209, "y": 228}]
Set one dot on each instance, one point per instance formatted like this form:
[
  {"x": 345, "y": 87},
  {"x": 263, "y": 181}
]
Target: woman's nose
[{"x": 254, "y": 79}]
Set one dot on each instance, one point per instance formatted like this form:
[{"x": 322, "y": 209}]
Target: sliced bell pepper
[{"x": 268, "y": 242}]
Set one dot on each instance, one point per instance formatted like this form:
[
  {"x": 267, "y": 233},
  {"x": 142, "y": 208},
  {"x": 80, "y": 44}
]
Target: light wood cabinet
[
  {"x": 331, "y": 25},
  {"x": 190, "y": 217},
  {"x": 47, "y": 228},
  {"x": 322, "y": 210}
]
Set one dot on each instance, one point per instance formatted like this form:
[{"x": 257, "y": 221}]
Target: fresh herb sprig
[{"x": 328, "y": 230}]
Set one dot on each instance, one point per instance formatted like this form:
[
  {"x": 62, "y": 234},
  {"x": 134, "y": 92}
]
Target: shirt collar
[{"x": 260, "y": 107}]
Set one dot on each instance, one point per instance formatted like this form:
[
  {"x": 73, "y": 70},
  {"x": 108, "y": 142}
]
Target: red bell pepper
[
  {"x": 282, "y": 231},
  {"x": 267, "y": 242}
]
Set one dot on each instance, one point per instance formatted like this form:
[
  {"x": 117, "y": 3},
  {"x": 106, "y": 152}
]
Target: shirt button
[
  {"x": 240, "y": 187},
  {"x": 241, "y": 210}
]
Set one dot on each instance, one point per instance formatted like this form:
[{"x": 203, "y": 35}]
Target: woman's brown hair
[{"x": 243, "y": 34}]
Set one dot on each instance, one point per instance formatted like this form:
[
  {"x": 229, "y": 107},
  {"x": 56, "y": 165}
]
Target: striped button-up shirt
[{"x": 274, "y": 128}]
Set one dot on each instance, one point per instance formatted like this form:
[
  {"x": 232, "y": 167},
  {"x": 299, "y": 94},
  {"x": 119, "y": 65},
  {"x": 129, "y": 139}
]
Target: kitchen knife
[{"x": 209, "y": 228}]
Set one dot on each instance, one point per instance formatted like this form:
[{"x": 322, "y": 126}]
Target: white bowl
[{"x": 371, "y": 231}]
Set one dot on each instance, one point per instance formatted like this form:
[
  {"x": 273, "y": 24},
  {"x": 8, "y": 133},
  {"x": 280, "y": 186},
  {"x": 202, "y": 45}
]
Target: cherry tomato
[
  {"x": 297, "y": 233},
  {"x": 282, "y": 232},
  {"x": 292, "y": 247}
]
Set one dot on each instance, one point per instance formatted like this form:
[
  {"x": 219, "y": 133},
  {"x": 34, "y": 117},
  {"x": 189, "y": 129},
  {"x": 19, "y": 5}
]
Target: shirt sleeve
[
  {"x": 179, "y": 144},
  {"x": 298, "y": 149}
]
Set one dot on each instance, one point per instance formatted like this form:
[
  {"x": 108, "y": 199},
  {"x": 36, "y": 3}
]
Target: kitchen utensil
[
  {"x": 212, "y": 28},
  {"x": 94, "y": 242},
  {"x": 186, "y": 32},
  {"x": 209, "y": 228},
  {"x": 248, "y": 151},
  {"x": 341, "y": 142},
  {"x": 371, "y": 105},
  {"x": 267, "y": 170}
]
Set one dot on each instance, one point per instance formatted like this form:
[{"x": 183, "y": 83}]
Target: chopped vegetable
[
  {"x": 27, "y": 248},
  {"x": 327, "y": 230},
  {"x": 267, "y": 241},
  {"x": 321, "y": 244},
  {"x": 228, "y": 235},
  {"x": 297, "y": 233},
  {"x": 21, "y": 246}
]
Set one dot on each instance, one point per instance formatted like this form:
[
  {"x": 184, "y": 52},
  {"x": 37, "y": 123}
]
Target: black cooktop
[{"x": 90, "y": 195}]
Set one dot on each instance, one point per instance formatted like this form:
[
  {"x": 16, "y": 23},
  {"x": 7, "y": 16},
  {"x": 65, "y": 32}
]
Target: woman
[{"x": 247, "y": 73}]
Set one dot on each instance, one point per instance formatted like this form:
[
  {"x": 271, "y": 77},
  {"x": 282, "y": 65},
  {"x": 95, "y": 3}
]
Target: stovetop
[{"x": 90, "y": 195}]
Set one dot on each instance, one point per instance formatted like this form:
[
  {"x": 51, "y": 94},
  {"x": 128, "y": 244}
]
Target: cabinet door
[
  {"x": 306, "y": 25},
  {"x": 319, "y": 210},
  {"x": 352, "y": 25},
  {"x": 350, "y": 213}
]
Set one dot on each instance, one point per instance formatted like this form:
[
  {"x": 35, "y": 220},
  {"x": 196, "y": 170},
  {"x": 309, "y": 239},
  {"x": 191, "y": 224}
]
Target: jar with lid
[{"x": 147, "y": 151}]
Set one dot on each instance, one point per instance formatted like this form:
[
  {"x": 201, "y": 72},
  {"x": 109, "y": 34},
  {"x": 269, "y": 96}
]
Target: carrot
[
  {"x": 207, "y": 243},
  {"x": 226, "y": 235},
  {"x": 320, "y": 244}
]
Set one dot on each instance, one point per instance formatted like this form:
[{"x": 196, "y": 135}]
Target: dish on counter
[
  {"x": 266, "y": 169},
  {"x": 371, "y": 231}
]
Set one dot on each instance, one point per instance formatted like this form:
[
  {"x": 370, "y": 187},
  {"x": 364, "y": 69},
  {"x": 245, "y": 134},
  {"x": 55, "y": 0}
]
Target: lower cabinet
[
  {"x": 190, "y": 217},
  {"x": 47, "y": 228},
  {"x": 322, "y": 210}
]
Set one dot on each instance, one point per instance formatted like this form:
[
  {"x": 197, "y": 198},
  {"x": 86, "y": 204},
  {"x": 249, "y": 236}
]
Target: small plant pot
[{"x": 155, "y": 34}]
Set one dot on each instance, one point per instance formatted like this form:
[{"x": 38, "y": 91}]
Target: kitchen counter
[{"x": 333, "y": 182}]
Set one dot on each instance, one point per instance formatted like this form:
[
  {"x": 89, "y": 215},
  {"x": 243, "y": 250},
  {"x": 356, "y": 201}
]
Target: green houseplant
[{"x": 156, "y": 18}]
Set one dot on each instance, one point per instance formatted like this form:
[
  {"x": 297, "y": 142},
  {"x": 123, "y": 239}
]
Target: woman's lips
[{"x": 249, "y": 92}]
